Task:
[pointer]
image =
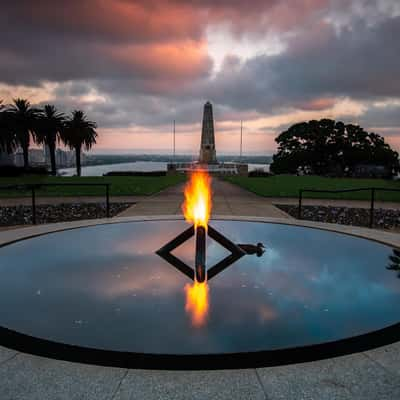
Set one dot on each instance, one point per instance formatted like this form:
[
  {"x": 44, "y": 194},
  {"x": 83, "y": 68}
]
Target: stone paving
[
  {"x": 373, "y": 374},
  {"x": 228, "y": 199}
]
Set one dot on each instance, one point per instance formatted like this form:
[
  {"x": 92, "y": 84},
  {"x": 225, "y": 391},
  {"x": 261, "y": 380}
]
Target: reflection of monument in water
[
  {"x": 208, "y": 156},
  {"x": 207, "y": 146}
]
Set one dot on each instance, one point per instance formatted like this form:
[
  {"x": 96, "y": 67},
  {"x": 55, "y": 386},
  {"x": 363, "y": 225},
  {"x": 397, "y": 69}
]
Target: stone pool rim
[{"x": 43, "y": 347}]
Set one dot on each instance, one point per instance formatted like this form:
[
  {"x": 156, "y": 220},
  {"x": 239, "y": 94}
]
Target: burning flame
[
  {"x": 197, "y": 209},
  {"x": 197, "y": 302},
  {"x": 197, "y": 205}
]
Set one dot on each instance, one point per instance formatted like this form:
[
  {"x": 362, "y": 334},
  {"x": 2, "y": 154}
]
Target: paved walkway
[
  {"x": 372, "y": 376},
  {"x": 228, "y": 199}
]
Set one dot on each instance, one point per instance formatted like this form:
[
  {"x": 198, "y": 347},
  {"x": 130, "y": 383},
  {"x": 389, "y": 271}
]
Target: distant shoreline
[
  {"x": 146, "y": 166},
  {"x": 104, "y": 159}
]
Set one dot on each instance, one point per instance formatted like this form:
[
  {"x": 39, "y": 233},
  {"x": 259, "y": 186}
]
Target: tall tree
[
  {"x": 22, "y": 118},
  {"x": 7, "y": 138},
  {"x": 330, "y": 147},
  {"x": 49, "y": 126},
  {"x": 79, "y": 132}
]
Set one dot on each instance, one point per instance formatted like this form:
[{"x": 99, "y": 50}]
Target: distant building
[
  {"x": 61, "y": 158},
  {"x": 64, "y": 158},
  {"x": 19, "y": 158},
  {"x": 47, "y": 158},
  {"x": 6, "y": 159},
  {"x": 36, "y": 157}
]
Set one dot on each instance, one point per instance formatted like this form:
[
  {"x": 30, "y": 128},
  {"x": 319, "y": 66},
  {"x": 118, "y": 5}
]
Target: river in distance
[{"x": 147, "y": 166}]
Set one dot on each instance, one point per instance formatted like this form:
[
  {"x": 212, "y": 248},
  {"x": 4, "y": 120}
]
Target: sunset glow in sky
[{"x": 136, "y": 65}]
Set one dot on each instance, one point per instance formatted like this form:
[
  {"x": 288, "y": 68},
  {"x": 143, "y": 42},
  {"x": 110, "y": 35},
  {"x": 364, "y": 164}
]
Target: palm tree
[
  {"x": 7, "y": 138},
  {"x": 78, "y": 132},
  {"x": 23, "y": 122},
  {"x": 49, "y": 126}
]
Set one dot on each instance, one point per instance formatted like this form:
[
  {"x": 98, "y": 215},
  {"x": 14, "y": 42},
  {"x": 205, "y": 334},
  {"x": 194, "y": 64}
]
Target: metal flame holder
[{"x": 200, "y": 273}]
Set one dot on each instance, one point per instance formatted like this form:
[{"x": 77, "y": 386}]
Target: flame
[
  {"x": 197, "y": 209},
  {"x": 197, "y": 302},
  {"x": 197, "y": 205}
]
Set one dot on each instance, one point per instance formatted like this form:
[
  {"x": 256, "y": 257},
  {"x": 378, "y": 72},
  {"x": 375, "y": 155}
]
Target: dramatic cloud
[
  {"x": 386, "y": 114},
  {"x": 315, "y": 67},
  {"x": 135, "y": 65}
]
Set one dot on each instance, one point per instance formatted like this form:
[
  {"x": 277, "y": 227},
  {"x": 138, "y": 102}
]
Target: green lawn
[
  {"x": 120, "y": 185},
  {"x": 288, "y": 186}
]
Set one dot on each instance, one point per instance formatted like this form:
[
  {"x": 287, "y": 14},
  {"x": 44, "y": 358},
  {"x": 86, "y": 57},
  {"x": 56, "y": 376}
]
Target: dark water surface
[{"x": 105, "y": 287}]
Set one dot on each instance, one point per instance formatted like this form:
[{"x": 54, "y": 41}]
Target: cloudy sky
[{"x": 136, "y": 65}]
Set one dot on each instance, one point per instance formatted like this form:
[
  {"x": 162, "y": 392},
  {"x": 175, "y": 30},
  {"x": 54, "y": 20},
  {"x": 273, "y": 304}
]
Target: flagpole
[
  {"x": 174, "y": 142},
  {"x": 241, "y": 139}
]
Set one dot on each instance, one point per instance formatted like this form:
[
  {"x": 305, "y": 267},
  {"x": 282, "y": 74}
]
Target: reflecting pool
[{"x": 104, "y": 287}]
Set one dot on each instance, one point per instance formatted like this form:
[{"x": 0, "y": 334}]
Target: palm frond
[
  {"x": 396, "y": 252},
  {"x": 79, "y": 131},
  {"x": 394, "y": 259}
]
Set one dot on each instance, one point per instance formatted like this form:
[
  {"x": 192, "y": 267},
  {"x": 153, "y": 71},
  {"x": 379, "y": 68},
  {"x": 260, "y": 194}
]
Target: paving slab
[
  {"x": 257, "y": 210},
  {"x": 218, "y": 385},
  {"x": 36, "y": 378},
  {"x": 6, "y": 354},
  {"x": 353, "y": 377},
  {"x": 388, "y": 357},
  {"x": 150, "y": 208}
]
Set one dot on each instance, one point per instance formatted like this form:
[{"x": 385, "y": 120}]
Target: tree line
[
  {"x": 328, "y": 147},
  {"x": 20, "y": 121}
]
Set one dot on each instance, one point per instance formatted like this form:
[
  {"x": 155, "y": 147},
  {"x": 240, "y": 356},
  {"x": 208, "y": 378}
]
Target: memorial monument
[
  {"x": 208, "y": 156},
  {"x": 207, "y": 146}
]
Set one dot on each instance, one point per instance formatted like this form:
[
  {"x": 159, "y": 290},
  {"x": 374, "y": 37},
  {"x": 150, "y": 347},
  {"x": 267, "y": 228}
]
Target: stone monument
[
  {"x": 207, "y": 147},
  {"x": 208, "y": 158}
]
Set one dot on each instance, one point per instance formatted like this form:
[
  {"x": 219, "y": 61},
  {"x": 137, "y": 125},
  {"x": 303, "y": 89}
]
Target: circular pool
[{"x": 101, "y": 294}]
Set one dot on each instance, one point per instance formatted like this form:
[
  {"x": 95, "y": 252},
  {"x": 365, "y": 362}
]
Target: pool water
[{"x": 104, "y": 287}]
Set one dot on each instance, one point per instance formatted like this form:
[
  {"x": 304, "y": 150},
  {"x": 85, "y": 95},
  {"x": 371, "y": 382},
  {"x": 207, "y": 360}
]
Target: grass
[
  {"x": 289, "y": 186},
  {"x": 120, "y": 185}
]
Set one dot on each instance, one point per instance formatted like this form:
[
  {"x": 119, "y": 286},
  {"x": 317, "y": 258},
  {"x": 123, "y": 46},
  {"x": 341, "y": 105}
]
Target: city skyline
[{"x": 136, "y": 66}]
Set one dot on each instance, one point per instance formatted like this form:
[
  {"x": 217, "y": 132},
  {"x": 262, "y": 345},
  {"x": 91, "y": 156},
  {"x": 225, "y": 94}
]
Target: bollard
[
  {"x": 300, "y": 200},
  {"x": 371, "y": 211},
  {"x": 108, "y": 200},
  {"x": 33, "y": 206}
]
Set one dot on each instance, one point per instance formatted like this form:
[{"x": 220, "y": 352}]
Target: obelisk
[{"x": 207, "y": 147}]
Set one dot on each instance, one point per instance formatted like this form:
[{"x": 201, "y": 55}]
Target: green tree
[
  {"x": 79, "y": 132},
  {"x": 330, "y": 147},
  {"x": 7, "y": 138},
  {"x": 22, "y": 119},
  {"x": 49, "y": 126}
]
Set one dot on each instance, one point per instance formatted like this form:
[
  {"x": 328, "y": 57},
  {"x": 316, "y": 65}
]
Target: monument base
[
  {"x": 222, "y": 169},
  {"x": 208, "y": 155}
]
